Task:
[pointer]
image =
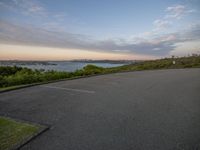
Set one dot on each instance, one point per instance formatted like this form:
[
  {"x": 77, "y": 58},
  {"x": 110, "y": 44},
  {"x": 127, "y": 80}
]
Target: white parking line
[{"x": 69, "y": 89}]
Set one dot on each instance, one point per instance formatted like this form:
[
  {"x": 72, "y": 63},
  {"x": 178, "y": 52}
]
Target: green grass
[
  {"x": 13, "y": 132},
  {"x": 12, "y": 77}
]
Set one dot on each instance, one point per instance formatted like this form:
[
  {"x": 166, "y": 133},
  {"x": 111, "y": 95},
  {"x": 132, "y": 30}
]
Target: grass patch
[{"x": 13, "y": 133}]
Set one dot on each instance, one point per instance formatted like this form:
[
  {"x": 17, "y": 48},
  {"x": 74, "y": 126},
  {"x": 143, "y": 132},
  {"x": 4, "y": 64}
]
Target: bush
[
  {"x": 92, "y": 69},
  {"x": 8, "y": 70},
  {"x": 11, "y": 76}
]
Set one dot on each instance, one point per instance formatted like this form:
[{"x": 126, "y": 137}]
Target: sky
[{"x": 98, "y": 29}]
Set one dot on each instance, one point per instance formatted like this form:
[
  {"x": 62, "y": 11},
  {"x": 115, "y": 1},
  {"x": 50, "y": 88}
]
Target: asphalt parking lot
[{"x": 144, "y": 110}]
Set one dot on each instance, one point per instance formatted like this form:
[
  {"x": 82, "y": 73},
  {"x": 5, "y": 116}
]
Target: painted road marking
[{"x": 69, "y": 89}]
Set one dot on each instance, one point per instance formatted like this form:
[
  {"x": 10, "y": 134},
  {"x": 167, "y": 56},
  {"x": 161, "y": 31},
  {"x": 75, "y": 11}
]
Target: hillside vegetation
[{"x": 12, "y": 76}]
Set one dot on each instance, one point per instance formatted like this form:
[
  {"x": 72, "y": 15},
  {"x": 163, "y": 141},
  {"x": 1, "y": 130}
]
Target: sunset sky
[{"x": 98, "y": 29}]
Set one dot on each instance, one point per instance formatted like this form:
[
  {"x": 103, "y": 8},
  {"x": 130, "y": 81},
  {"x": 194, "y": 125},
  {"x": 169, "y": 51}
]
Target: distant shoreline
[
  {"x": 19, "y": 62},
  {"x": 68, "y": 66},
  {"x": 47, "y": 63},
  {"x": 51, "y": 62}
]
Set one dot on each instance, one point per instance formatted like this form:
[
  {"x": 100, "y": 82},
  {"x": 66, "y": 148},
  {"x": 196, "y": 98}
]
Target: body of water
[{"x": 65, "y": 65}]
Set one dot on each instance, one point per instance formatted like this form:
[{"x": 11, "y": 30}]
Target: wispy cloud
[
  {"x": 161, "y": 24},
  {"x": 53, "y": 34},
  {"x": 25, "y": 7},
  {"x": 160, "y": 45},
  {"x": 37, "y": 12},
  {"x": 177, "y": 11}
]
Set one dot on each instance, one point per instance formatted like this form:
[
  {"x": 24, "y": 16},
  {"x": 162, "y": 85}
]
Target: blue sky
[{"x": 125, "y": 29}]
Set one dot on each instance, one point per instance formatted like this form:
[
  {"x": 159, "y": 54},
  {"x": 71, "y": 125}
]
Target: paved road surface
[{"x": 147, "y": 110}]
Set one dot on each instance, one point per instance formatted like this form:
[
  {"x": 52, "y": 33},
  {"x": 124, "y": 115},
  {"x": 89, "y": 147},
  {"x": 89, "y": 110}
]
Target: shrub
[
  {"x": 92, "y": 69},
  {"x": 8, "y": 70}
]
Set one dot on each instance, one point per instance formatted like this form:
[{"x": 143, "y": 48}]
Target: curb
[
  {"x": 41, "y": 83},
  {"x": 53, "y": 81},
  {"x": 80, "y": 77},
  {"x": 23, "y": 143},
  {"x": 43, "y": 128}
]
